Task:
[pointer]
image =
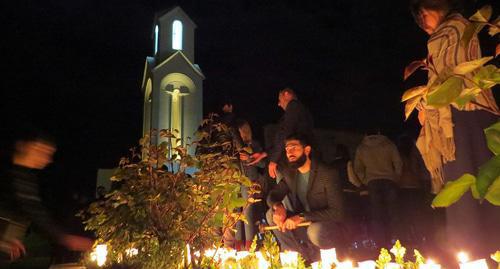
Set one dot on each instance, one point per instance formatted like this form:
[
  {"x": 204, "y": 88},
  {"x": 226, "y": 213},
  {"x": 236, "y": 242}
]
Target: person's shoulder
[
  {"x": 322, "y": 167},
  {"x": 453, "y": 25}
]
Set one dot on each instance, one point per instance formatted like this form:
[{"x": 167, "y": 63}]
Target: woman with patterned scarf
[{"x": 451, "y": 140}]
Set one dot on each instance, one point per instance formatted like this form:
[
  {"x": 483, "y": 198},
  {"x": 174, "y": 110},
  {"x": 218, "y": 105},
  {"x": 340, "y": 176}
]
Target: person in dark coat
[
  {"x": 296, "y": 120},
  {"x": 315, "y": 196}
]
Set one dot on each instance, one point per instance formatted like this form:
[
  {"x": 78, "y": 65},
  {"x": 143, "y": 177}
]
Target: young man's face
[
  {"x": 430, "y": 19},
  {"x": 295, "y": 151},
  {"x": 283, "y": 99},
  {"x": 38, "y": 154}
]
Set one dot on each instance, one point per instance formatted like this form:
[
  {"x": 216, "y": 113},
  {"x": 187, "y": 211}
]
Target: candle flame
[
  {"x": 430, "y": 261},
  {"x": 99, "y": 254},
  {"x": 463, "y": 257}
]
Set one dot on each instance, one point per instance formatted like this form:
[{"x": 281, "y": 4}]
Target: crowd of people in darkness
[{"x": 365, "y": 199}]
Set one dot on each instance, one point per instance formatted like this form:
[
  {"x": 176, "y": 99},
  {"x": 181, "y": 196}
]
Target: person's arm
[
  {"x": 359, "y": 167},
  {"x": 333, "y": 188},
  {"x": 353, "y": 178},
  {"x": 277, "y": 194},
  {"x": 27, "y": 196}
]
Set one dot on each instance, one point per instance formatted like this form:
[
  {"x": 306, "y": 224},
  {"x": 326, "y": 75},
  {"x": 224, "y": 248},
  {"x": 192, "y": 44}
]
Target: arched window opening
[
  {"x": 177, "y": 35},
  {"x": 156, "y": 39}
]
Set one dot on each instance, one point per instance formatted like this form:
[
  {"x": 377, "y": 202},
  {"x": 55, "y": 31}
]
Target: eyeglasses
[{"x": 292, "y": 146}]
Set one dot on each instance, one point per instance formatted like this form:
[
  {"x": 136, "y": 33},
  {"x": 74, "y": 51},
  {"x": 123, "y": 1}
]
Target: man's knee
[{"x": 324, "y": 234}]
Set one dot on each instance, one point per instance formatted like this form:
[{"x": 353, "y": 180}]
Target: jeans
[
  {"x": 309, "y": 240},
  {"x": 384, "y": 210}
]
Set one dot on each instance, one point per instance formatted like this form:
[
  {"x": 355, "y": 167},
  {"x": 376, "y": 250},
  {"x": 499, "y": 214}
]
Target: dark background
[{"x": 74, "y": 68}]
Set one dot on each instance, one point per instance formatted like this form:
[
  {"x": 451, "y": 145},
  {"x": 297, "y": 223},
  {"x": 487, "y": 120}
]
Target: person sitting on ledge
[{"x": 315, "y": 196}]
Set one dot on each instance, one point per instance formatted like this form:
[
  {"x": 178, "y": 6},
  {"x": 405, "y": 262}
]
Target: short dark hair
[
  {"x": 303, "y": 139},
  {"x": 447, "y": 6}
]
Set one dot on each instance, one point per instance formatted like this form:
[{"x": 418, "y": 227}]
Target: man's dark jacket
[
  {"x": 324, "y": 193},
  {"x": 296, "y": 120}
]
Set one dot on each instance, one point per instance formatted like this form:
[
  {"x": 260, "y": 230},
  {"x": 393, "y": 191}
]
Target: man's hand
[
  {"x": 279, "y": 216},
  {"x": 14, "y": 248},
  {"x": 76, "y": 243},
  {"x": 244, "y": 156},
  {"x": 273, "y": 167},
  {"x": 292, "y": 222},
  {"x": 257, "y": 157}
]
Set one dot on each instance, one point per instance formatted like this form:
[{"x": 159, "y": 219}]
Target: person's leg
[
  {"x": 376, "y": 195},
  {"x": 287, "y": 240},
  {"x": 326, "y": 235},
  {"x": 392, "y": 230}
]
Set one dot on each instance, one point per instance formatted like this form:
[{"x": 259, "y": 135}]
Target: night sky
[{"x": 74, "y": 68}]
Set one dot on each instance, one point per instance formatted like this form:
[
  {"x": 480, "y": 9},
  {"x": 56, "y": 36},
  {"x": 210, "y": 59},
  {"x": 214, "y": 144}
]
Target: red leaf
[
  {"x": 412, "y": 67},
  {"x": 497, "y": 51}
]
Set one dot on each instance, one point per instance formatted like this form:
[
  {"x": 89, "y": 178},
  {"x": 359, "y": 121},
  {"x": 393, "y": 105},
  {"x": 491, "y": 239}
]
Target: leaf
[
  {"x": 495, "y": 27},
  {"x": 475, "y": 193},
  {"x": 413, "y": 92},
  {"x": 493, "y": 194},
  {"x": 453, "y": 191},
  {"x": 411, "y": 105},
  {"x": 497, "y": 50},
  {"x": 496, "y": 256},
  {"x": 488, "y": 173},
  {"x": 482, "y": 15},
  {"x": 478, "y": 21},
  {"x": 399, "y": 252},
  {"x": 466, "y": 96},
  {"x": 383, "y": 258},
  {"x": 419, "y": 259},
  {"x": 467, "y": 67},
  {"x": 237, "y": 202},
  {"x": 445, "y": 93},
  {"x": 493, "y": 137},
  {"x": 487, "y": 77},
  {"x": 412, "y": 67}
]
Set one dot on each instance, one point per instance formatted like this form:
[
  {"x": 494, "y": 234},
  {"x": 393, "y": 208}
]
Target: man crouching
[{"x": 314, "y": 195}]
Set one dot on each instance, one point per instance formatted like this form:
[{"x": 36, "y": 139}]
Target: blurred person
[
  {"x": 451, "y": 140},
  {"x": 256, "y": 211},
  {"x": 296, "y": 120},
  {"x": 378, "y": 165},
  {"x": 20, "y": 202},
  {"x": 412, "y": 185},
  {"x": 353, "y": 204},
  {"x": 315, "y": 196}
]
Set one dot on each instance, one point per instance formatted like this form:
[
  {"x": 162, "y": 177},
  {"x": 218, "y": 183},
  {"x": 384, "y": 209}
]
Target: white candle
[
  {"x": 315, "y": 265},
  {"x": 430, "y": 264},
  {"x": 477, "y": 264},
  {"x": 367, "y": 264},
  {"x": 263, "y": 264},
  {"x": 241, "y": 254},
  {"x": 289, "y": 259},
  {"x": 345, "y": 265},
  {"x": 392, "y": 265},
  {"x": 99, "y": 254},
  {"x": 328, "y": 257}
]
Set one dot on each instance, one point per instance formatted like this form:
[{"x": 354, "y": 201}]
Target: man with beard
[{"x": 315, "y": 193}]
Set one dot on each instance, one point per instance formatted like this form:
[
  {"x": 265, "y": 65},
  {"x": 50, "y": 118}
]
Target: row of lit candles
[{"x": 289, "y": 259}]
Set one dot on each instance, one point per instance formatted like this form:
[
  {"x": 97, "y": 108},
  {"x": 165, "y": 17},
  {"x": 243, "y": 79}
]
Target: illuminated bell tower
[{"x": 172, "y": 84}]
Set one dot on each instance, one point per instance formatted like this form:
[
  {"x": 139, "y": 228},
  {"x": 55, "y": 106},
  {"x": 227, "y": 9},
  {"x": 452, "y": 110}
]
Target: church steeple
[
  {"x": 174, "y": 31},
  {"x": 172, "y": 83}
]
